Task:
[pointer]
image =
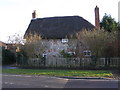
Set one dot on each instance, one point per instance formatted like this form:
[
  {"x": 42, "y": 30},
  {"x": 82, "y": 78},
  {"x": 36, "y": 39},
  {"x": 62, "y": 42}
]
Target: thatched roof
[{"x": 58, "y": 27}]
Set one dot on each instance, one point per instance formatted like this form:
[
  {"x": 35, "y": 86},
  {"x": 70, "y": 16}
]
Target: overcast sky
[{"x": 15, "y": 15}]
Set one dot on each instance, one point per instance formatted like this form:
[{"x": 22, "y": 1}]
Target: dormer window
[{"x": 64, "y": 40}]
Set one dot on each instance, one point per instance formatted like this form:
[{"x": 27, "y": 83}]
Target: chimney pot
[{"x": 34, "y": 15}]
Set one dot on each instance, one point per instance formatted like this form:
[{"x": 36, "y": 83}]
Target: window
[
  {"x": 87, "y": 53},
  {"x": 44, "y": 55},
  {"x": 64, "y": 40},
  {"x": 6, "y": 47},
  {"x": 71, "y": 53}
]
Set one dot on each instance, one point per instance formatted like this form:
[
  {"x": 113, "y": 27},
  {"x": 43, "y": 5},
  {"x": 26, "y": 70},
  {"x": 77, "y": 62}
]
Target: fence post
[
  {"x": 56, "y": 62},
  {"x": 80, "y": 62}
]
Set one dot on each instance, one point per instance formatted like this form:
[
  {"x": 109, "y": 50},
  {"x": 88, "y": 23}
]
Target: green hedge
[{"x": 8, "y": 57}]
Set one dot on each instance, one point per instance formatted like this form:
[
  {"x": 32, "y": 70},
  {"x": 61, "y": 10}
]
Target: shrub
[
  {"x": 67, "y": 55},
  {"x": 8, "y": 57}
]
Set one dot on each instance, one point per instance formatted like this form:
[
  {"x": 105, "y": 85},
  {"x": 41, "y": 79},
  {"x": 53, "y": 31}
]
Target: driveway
[{"x": 29, "y": 81}]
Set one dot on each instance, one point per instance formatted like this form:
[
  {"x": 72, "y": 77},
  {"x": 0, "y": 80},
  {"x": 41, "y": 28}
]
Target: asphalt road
[{"x": 28, "y": 81}]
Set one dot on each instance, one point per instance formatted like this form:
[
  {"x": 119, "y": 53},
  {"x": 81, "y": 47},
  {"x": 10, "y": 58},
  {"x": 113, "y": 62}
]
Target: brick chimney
[
  {"x": 34, "y": 15},
  {"x": 97, "y": 20}
]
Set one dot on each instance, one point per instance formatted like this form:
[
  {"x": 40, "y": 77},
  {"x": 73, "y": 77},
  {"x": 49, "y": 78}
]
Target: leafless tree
[
  {"x": 97, "y": 41},
  {"x": 35, "y": 46}
]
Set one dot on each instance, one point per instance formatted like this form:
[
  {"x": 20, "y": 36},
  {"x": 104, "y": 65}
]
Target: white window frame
[
  {"x": 87, "y": 53},
  {"x": 64, "y": 40}
]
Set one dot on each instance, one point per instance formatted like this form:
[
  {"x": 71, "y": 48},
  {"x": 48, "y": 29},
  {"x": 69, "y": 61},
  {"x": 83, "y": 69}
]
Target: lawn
[{"x": 76, "y": 73}]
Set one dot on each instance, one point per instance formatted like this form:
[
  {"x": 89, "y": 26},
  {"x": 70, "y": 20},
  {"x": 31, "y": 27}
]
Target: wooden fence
[{"x": 74, "y": 62}]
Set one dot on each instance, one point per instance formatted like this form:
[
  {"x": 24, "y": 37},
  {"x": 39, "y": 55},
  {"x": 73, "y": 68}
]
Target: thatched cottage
[{"x": 59, "y": 30}]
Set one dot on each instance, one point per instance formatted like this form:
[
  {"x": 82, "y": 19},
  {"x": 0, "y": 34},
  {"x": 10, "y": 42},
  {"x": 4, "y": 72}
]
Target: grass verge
[{"x": 75, "y": 73}]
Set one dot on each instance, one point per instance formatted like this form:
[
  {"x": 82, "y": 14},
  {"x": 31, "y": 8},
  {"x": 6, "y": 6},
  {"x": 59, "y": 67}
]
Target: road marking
[
  {"x": 12, "y": 75},
  {"x": 8, "y": 83},
  {"x": 11, "y": 83},
  {"x": 45, "y": 86},
  {"x": 18, "y": 75}
]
